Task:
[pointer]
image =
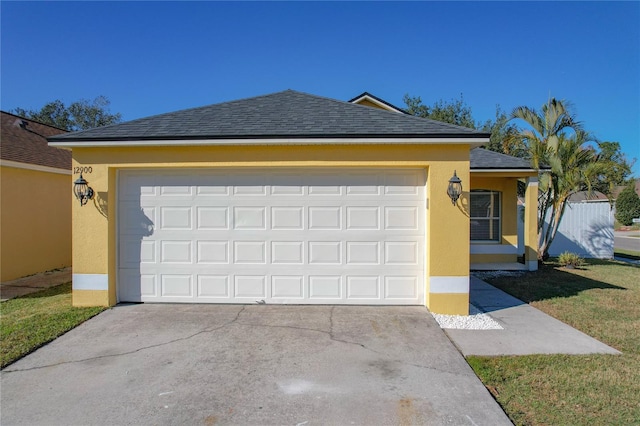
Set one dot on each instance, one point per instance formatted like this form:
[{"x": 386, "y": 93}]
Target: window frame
[{"x": 490, "y": 219}]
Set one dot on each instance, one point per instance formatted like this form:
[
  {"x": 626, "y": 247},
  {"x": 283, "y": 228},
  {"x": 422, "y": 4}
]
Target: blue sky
[{"x": 154, "y": 57}]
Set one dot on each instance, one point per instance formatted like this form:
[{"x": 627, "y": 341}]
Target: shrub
[
  {"x": 570, "y": 260},
  {"x": 628, "y": 205}
]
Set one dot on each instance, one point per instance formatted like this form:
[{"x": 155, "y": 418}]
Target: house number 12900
[{"x": 85, "y": 170}]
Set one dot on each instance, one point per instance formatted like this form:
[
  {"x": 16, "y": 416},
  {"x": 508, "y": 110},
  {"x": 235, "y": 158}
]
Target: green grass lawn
[
  {"x": 602, "y": 299},
  {"x": 30, "y": 321}
]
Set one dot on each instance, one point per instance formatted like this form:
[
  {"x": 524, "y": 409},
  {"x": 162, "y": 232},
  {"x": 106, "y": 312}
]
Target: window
[{"x": 485, "y": 215}]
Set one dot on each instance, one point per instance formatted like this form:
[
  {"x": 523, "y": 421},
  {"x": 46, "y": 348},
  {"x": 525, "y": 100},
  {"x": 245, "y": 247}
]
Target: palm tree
[{"x": 555, "y": 142}]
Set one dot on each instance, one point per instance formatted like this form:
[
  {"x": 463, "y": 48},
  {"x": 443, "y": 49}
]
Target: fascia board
[{"x": 284, "y": 141}]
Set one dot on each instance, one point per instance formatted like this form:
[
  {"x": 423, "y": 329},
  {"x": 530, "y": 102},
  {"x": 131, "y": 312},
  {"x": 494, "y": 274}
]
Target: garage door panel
[
  {"x": 363, "y": 253},
  {"x": 212, "y": 252},
  {"x": 287, "y": 218},
  {"x": 400, "y": 287},
  {"x": 249, "y": 218},
  {"x": 175, "y": 218},
  {"x": 249, "y": 252},
  {"x": 133, "y": 252},
  {"x": 135, "y": 220},
  {"x": 363, "y": 287},
  {"x": 212, "y": 218},
  {"x": 354, "y": 237},
  {"x": 401, "y": 253},
  {"x": 325, "y": 287},
  {"x": 362, "y": 217},
  {"x": 175, "y": 252},
  {"x": 287, "y": 252},
  {"x": 249, "y": 185},
  {"x": 401, "y": 218},
  {"x": 177, "y": 285},
  {"x": 250, "y": 286},
  {"x": 287, "y": 286},
  {"x": 214, "y": 286},
  {"x": 325, "y": 252}
]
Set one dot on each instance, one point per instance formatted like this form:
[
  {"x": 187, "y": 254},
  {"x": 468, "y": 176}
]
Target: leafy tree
[
  {"x": 80, "y": 115},
  {"x": 455, "y": 111},
  {"x": 617, "y": 166},
  {"x": 458, "y": 112},
  {"x": 501, "y": 130},
  {"x": 628, "y": 205}
]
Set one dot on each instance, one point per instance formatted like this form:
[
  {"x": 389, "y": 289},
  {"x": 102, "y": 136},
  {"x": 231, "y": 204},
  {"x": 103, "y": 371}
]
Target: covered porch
[{"x": 493, "y": 212}]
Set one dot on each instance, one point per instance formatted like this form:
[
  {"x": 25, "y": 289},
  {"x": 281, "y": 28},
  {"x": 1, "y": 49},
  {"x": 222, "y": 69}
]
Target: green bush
[
  {"x": 571, "y": 260},
  {"x": 628, "y": 205}
]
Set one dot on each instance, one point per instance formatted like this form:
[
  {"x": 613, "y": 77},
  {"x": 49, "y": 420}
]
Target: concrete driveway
[{"x": 285, "y": 365}]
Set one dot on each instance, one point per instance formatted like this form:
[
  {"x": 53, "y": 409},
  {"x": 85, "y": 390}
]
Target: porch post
[{"x": 531, "y": 224}]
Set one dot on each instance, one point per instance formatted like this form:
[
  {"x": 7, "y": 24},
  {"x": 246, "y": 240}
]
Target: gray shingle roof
[
  {"x": 287, "y": 114},
  {"x": 481, "y": 158}
]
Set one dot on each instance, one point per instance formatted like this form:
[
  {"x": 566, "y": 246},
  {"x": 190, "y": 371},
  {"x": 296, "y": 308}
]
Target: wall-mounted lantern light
[
  {"x": 82, "y": 190},
  {"x": 455, "y": 188}
]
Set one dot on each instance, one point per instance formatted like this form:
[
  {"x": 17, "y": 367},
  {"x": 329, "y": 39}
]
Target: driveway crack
[{"x": 157, "y": 345}]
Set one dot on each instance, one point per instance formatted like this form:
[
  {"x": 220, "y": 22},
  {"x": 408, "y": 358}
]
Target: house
[
  {"x": 291, "y": 198},
  {"x": 35, "y": 202}
]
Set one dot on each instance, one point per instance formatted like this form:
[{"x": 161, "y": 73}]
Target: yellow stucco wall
[
  {"x": 447, "y": 239},
  {"x": 508, "y": 187},
  {"x": 35, "y": 221}
]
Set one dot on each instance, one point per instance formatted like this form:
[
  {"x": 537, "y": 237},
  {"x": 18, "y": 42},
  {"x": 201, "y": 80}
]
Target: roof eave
[{"x": 472, "y": 140}]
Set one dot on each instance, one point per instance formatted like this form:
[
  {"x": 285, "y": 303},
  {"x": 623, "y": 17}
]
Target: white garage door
[{"x": 316, "y": 236}]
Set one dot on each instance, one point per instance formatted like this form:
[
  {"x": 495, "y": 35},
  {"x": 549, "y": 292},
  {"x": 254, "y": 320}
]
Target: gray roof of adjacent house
[
  {"x": 287, "y": 115},
  {"x": 484, "y": 159}
]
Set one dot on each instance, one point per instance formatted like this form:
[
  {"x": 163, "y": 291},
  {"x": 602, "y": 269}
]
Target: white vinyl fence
[{"x": 585, "y": 229}]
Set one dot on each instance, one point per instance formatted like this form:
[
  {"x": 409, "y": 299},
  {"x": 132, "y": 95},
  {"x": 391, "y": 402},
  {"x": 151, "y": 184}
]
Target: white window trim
[{"x": 490, "y": 219}]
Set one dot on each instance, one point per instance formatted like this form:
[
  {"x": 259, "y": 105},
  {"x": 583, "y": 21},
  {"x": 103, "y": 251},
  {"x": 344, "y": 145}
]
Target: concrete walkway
[
  {"x": 33, "y": 283},
  {"x": 527, "y": 330}
]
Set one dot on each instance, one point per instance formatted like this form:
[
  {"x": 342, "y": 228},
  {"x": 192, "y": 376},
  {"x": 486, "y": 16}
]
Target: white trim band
[
  {"x": 277, "y": 141},
  {"x": 504, "y": 171},
  {"x": 449, "y": 284},
  {"x": 493, "y": 249},
  {"x": 36, "y": 167},
  {"x": 90, "y": 282}
]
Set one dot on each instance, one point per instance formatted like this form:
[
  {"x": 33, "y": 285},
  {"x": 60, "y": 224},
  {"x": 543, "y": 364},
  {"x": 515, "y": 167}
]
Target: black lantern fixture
[
  {"x": 455, "y": 188},
  {"x": 82, "y": 190}
]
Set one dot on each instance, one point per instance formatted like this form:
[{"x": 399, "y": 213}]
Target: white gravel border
[{"x": 476, "y": 320}]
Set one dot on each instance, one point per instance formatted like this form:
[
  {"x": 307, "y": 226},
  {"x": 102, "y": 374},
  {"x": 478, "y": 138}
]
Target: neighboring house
[
  {"x": 35, "y": 199},
  {"x": 291, "y": 198}
]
